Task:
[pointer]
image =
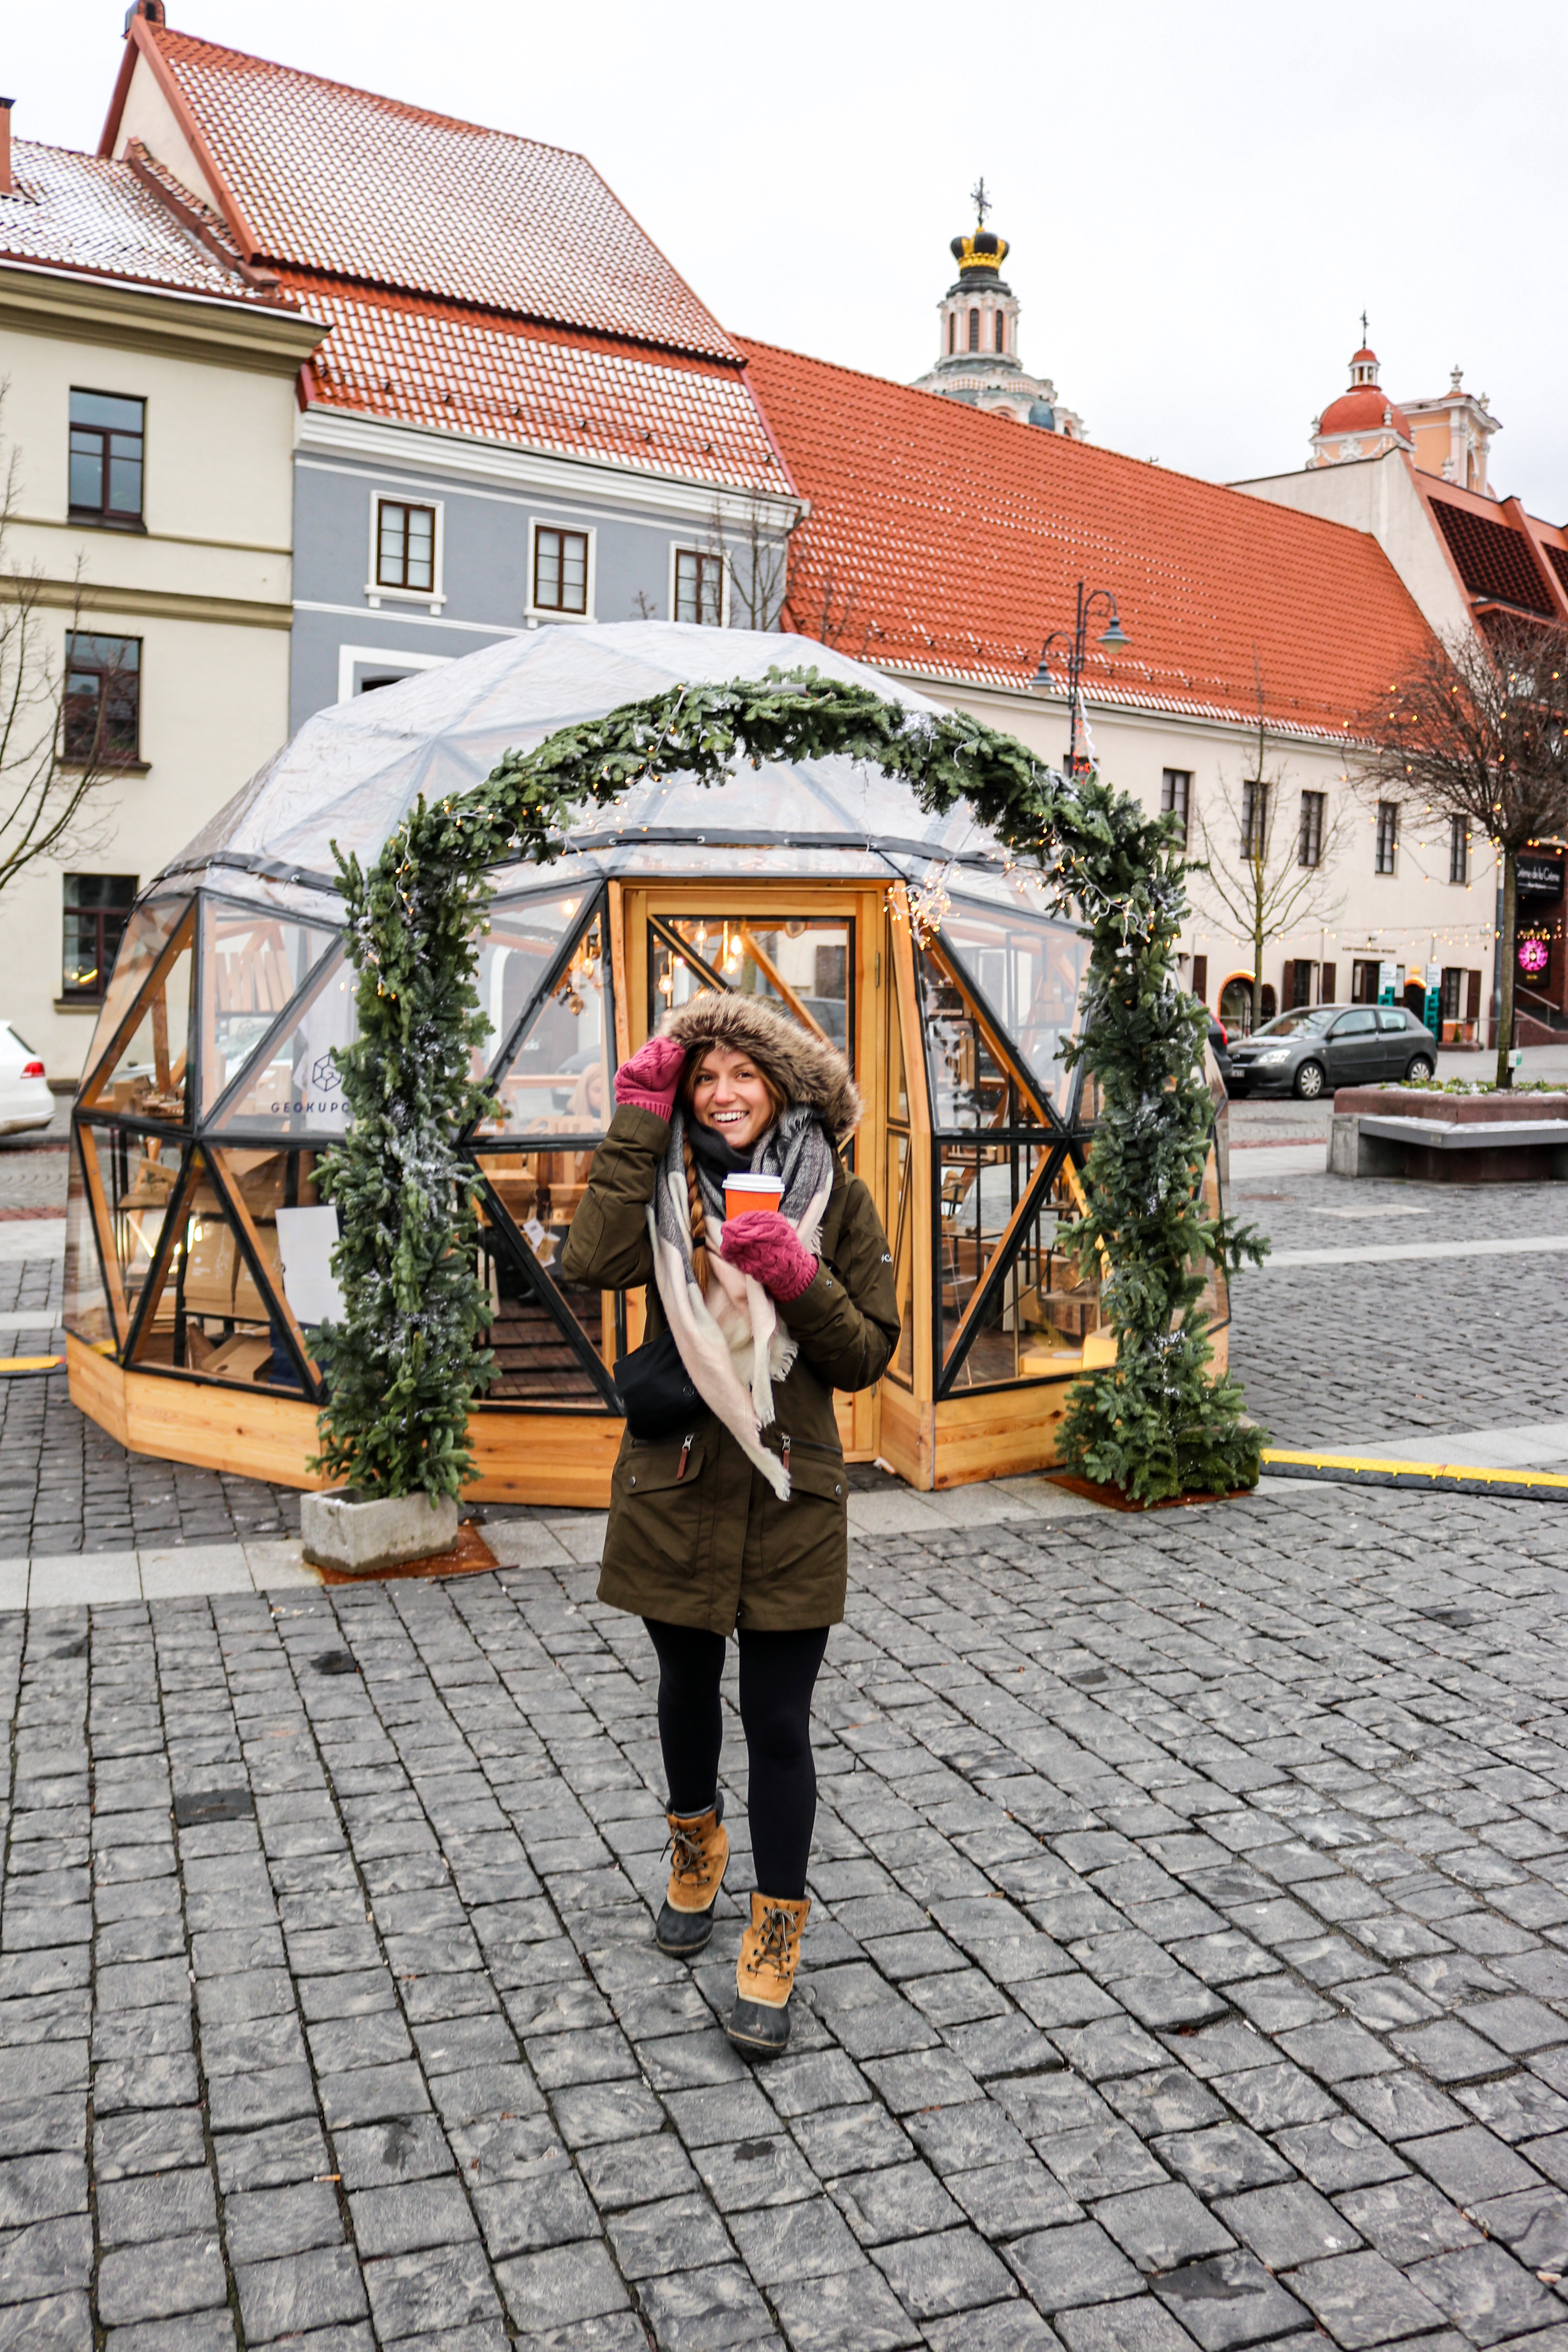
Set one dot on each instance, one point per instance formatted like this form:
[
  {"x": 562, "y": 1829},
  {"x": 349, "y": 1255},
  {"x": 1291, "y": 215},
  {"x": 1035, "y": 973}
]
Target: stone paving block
[
  {"x": 196, "y": 2331},
  {"x": 848, "y": 2311},
  {"x": 1287, "y": 2225},
  {"x": 1140, "y": 2324},
  {"x": 1076, "y": 2264},
  {"x": 1533, "y": 2225},
  {"x": 765, "y": 2171},
  {"x": 160, "y": 2140},
  {"x": 591, "y": 2112},
  {"x": 1449, "y": 2052},
  {"x": 1407, "y": 2220},
  {"x": 273, "y": 2157},
  {"x": 1100, "y": 2160},
  {"x": 1229, "y": 2301},
  {"x": 1488, "y": 2295},
  {"x": 1160, "y": 2228},
  {"x": 269, "y": 2222},
  {"x": 1014, "y": 2327},
  {"x": 160, "y": 2205},
  {"x": 549, "y": 2208},
  {"x": 895, "y": 2203},
  {"x": 942, "y": 2271},
  {"x": 1401, "y": 2106},
  {"x": 1272, "y": 2097},
  {"x": 862, "y": 2138},
  {"x": 1362, "y": 2300},
  {"x": 659, "y": 2236},
  {"x": 561, "y": 2288},
  {"x": 1516, "y": 2023},
  {"x": 404, "y": 2147},
  {"x": 47, "y": 2258},
  {"x": 167, "y": 2275},
  {"x": 1007, "y": 2200},
  {"x": 1166, "y": 2099},
  {"x": 1470, "y": 2165},
  {"x": 707, "y": 2309},
  {"x": 434, "y": 2293},
  {"x": 1221, "y": 2159},
  {"x": 1520, "y": 2109}
]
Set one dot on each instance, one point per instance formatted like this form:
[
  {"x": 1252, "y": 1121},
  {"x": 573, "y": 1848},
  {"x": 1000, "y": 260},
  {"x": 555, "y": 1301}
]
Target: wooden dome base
[{"x": 557, "y": 1459}]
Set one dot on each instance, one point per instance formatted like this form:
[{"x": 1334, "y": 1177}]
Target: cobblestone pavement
[
  {"x": 1350, "y": 1353},
  {"x": 1189, "y": 1964}
]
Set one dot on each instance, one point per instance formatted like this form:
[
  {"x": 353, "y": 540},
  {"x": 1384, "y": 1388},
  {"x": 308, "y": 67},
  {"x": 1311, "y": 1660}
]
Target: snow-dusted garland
[{"x": 406, "y": 1363}]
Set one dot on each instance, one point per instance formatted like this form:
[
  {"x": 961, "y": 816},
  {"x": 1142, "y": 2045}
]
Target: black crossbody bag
[{"x": 656, "y": 1391}]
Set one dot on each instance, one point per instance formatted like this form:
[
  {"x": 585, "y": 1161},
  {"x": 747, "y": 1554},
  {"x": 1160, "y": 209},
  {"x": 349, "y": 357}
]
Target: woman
[{"x": 738, "y": 1521}]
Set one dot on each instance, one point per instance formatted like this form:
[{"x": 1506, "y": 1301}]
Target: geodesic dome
[{"x": 198, "y": 1250}]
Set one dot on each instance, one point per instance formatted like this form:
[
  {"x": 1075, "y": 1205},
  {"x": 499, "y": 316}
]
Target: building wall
[
  {"x": 205, "y": 588},
  {"x": 1377, "y": 495},
  {"x": 1415, "y": 917},
  {"x": 489, "y": 500}
]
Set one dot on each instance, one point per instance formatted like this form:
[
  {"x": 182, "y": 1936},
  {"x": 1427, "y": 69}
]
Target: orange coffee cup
[{"x": 746, "y": 1191}]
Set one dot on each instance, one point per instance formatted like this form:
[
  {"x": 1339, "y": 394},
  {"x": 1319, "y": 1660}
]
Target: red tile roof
[
  {"x": 946, "y": 541},
  {"x": 86, "y": 215},
  {"x": 340, "y": 180},
  {"x": 440, "y": 365},
  {"x": 1494, "y": 559},
  {"x": 1365, "y": 408}
]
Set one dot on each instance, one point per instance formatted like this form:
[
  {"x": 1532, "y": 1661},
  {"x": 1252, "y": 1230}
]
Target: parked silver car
[{"x": 1319, "y": 1047}]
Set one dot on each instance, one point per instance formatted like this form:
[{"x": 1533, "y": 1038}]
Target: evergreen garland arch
[{"x": 405, "y": 1362}]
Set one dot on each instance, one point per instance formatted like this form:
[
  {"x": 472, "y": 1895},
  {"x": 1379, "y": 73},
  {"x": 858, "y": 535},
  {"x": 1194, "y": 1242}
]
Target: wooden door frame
[{"x": 864, "y": 904}]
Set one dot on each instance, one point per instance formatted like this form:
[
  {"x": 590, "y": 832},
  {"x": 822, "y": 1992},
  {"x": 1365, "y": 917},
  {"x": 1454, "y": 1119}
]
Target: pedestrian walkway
[{"x": 1186, "y": 1968}]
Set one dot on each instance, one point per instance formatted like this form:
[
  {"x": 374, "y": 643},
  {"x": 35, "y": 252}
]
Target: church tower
[{"x": 977, "y": 356}]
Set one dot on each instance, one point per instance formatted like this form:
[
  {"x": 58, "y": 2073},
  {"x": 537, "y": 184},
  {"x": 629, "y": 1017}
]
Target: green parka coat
[{"x": 696, "y": 1536}]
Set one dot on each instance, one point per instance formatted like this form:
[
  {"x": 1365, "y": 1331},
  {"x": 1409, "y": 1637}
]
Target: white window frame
[
  {"x": 376, "y": 595},
  {"x": 351, "y": 656},
  {"x": 536, "y": 613},
  {"x": 684, "y": 546}
]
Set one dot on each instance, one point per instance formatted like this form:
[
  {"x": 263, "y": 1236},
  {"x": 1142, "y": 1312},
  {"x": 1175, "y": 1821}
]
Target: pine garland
[{"x": 406, "y": 1363}]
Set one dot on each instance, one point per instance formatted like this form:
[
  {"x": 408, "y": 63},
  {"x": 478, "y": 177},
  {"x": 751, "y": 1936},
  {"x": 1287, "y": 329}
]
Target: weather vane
[
  {"x": 980, "y": 200},
  {"x": 1363, "y": 326}
]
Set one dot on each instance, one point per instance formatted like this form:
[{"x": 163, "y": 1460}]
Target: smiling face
[{"x": 729, "y": 1094}]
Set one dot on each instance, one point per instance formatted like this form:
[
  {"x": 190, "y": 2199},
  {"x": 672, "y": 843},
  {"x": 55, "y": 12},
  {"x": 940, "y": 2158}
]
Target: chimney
[{"x": 8, "y": 183}]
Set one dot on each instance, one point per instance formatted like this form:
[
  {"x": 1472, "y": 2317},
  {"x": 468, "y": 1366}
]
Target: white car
[{"x": 25, "y": 1098}]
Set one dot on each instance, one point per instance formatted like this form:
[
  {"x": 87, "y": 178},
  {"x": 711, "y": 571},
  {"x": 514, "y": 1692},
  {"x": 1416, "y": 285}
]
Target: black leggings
[{"x": 777, "y": 1672}]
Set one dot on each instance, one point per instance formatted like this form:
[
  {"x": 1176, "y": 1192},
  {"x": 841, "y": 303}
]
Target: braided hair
[{"x": 686, "y": 1093}]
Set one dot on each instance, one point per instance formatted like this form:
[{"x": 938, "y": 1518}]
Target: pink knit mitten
[
  {"x": 647, "y": 1082},
  {"x": 766, "y": 1246}
]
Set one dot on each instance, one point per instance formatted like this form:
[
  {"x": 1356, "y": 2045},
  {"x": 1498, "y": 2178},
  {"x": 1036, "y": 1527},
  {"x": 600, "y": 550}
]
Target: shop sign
[
  {"x": 1534, "y": 955},
  {"x": 1541, "y": 875}
]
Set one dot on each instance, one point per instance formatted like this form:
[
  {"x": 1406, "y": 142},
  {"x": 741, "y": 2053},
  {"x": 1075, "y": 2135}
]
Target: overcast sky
[{"x": 1200, "y": 198}]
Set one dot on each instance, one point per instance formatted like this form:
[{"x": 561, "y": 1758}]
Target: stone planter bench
[{"x": 1438, "y": 1138}]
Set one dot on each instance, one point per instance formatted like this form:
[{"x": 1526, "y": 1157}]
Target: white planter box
[{"x": 344, "y": 1531}]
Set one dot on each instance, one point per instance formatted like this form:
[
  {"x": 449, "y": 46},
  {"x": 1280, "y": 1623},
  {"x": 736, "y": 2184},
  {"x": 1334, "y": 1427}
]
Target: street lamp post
[{"x": 1115, "y": 636}]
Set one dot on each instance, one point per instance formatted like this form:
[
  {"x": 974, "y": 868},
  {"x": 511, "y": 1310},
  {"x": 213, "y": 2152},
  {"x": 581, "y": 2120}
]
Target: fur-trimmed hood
[{"x": 804, "y": 1067}]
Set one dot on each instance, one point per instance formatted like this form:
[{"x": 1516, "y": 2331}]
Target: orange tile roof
[
  {"x": 86, "y": 215},
  {"x": 942, "y": 540},
  {"x": 442, "y": 366},
  {"x": 340, "y": 181}
]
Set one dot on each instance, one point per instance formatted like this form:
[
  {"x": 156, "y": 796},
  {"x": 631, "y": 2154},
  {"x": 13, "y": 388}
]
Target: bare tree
[
  {"x": 57, "y": 750},
  {"x": 783, "y": 579},
  {"x": 1267, "y": 855},
  {"x": 1477, "y": 728}
]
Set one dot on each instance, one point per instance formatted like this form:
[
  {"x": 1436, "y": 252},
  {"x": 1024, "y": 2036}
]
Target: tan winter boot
[
  {"x": 699, "y": 1850},
  {"x": 765, "y": 1975}
]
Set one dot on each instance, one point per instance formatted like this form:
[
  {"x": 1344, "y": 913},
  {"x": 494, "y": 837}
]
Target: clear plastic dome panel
[
  {"x": 292, "y": 1087},
  {"x": 254, "y": 964}
]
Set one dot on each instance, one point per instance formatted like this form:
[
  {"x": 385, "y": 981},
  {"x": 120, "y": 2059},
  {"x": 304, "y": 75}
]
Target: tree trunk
[
  {"x": 1505, "y": 953},
  {"x": 1258, "y": 938}
]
